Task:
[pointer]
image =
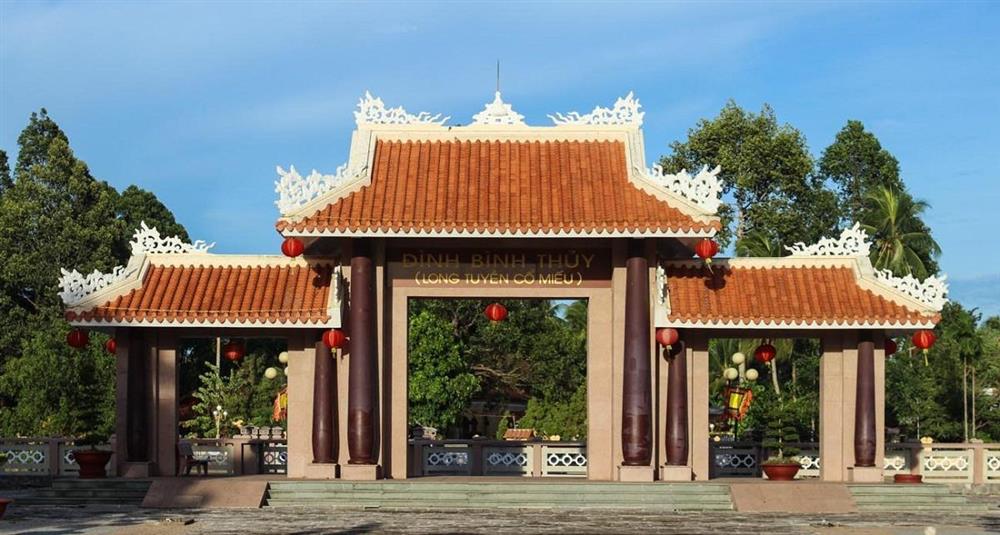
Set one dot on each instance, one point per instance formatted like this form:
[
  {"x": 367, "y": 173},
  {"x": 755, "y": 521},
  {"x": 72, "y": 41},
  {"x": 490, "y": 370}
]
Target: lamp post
[
  {"x": 738, "y": 381},
  {"x": 219, "y": 414}
]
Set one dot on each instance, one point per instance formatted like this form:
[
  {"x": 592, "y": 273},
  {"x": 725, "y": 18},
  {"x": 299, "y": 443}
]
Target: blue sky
[{"x": 198, "y": 103}]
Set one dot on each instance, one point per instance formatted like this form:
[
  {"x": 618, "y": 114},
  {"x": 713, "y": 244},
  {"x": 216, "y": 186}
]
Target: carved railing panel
[
  {"x": 567, "y": 461},
  {"x": 508, "y": 460},
  {"x": 448, "y": 459}
]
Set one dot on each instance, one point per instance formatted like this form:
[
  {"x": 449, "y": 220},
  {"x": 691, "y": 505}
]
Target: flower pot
[
  {"x": 781, "y": 472},
  {"x": 92, "y": 463},
  {"x": 908, "y": 478},
  {"x": 4, "y": 502}
]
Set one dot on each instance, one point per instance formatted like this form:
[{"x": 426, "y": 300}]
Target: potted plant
[
  {"x": 783, "y": 462},
  {"x": 91, "y": 460},
  {"x": 4, "y": 502}
]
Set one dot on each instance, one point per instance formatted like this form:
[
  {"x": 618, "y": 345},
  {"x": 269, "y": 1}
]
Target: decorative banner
[{"x": 506, "y": 268}]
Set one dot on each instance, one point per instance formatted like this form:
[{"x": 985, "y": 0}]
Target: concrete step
[
  {"x": 531, "y": 488},
  {"x": 908, "y": 490},
  {"x": 502, "y": 497},
  {"x": 437, "y": 504},
  {"x": 89, "y": 491},
  {"x": 949, "y": 508},
  {"x": 956, "y": 499},
  {"x": 493, "y": 494}
]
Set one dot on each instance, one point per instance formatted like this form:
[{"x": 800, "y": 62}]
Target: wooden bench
[{"x": 186, "y": 460}]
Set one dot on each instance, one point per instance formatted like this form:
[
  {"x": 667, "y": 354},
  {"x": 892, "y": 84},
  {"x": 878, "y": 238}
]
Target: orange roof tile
[
  {"x": 730, "y": 295},
  {"x": 499, "y": 187},
  {"x": 268, "y": 294}
]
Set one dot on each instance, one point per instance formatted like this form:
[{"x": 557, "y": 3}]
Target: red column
[
  {"x": 677, "y": 406},
  {"x": 864, "y": 409},
  {"x": 137, "y": 393},
  {"x": 323, "y": 428},
  {"x": 636, "y": 391},
  {"x": 361, "y": 370}
]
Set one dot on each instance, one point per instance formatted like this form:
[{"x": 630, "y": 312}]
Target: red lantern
[
  {"x": 764, "y": 353},
  {"x": 667, "y": 337},
  {"x": 496, "y": 312},
  {"x": 924, "y": 340},
  {"x": 706, "y": 249},
  {"x": 292, "y": 247},
  {"x": 233, "y": 351},
  {"x": 334, "y": 338},
  {"x": 890, "y": 347},
  {"x": 111, "y": 346},
  {"x": 77, "y": 338}
]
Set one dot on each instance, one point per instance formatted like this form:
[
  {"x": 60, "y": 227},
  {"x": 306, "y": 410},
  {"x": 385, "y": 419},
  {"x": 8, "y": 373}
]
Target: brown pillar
[
  {"x": 361, "y": 371},
  {"x": 864, "y": 410},
  {"x": 677, "y": 406},
  {"x": 137, "y": 405},
  {"x": 636, "y": 391},
  {"x": 323, "y": 430}
]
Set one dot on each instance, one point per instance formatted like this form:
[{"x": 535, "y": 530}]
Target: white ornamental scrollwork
[
  {"x": 371, "y": 110},
  {"x": 295, "y": 191},
  {"x": 76, "y": 287},
  {"x": 932, "y": 291},
  {"x": 498, "y": 112},
  {"x": 147, "y": 240},
  {"x": 661, "y": 284},
  {"x": 702, "y": 189},
  {"x": 626, "y": 111},
  {"x": 852, "y": 242}
]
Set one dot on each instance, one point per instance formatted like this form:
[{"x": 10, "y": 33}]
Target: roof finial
[{"x": 498, "y": 76}]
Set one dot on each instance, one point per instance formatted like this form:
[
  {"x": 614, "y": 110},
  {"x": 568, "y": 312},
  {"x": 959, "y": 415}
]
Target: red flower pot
[
  {"x": 4, "y": 502},
  {"x": 781, "y": 472},
  {"x": 92, "y": 463},
  {"x": 908, "y": 478}
]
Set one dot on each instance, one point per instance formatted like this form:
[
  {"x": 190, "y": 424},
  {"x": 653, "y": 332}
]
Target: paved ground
[{"x": 134, "y": 521}]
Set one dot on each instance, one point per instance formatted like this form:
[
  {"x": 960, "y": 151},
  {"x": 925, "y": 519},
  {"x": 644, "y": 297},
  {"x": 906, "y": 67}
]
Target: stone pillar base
[
  {"x": 635, "y": 474},
  {"x": 321, "y": 471},
  {"x": 134, "y": 469},
  {"x": 865, "y": 474},
  {"x": 361, "y": 472},
  {"x": 675, "y": 473}
]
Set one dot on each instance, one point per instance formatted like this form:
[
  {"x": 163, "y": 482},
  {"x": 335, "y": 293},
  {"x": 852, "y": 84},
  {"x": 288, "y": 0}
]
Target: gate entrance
[{"x": 497, "y": 387}]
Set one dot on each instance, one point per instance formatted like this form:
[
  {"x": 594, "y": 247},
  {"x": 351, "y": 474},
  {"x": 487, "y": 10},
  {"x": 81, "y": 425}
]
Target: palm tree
[
  {"x": 901, "y": 240},
  {"x": 756, "y": 243}
]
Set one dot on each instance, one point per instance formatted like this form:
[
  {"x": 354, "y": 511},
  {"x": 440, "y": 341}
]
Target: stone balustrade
[
  {"x": 42, "y": 456},
  {"x": 498, "y": 457}
]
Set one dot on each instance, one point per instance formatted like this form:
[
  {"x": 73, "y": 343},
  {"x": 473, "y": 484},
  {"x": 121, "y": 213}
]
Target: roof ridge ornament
[
  {"x": 626, "y": 112},
  {"x": 147, "y": 240},
  {"x": 932, "y": 291},
  {"x": 76, "y": 287},
  {"x": 371, "y": 110},
  {"x": 853, "y": 241},
  {"x": 294, "y": 191},
  {"x": 702, "y": 189},
  {"x": 498, "y": 112}
]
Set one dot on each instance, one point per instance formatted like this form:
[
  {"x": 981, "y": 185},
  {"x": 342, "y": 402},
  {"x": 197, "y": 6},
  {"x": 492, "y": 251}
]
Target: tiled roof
[
  {"x": 779, "y": 295},
  {"x": 512, "y": 187},
  {"x": 259, "y": 295}
]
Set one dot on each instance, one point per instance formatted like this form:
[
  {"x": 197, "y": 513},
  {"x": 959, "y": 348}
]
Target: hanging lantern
[
  {"x": 334, "y": 338},
  {"x": 764, "y": 353},
  {"x": 292, "y": 247},
  {"x": 271, "y": 373},
  {"x": 496, "y": 312},
  {"x": 706, "y": 249},
  {"x": 283, "y": 357},
  {"x": 233, "y": 351},
  {"x": 924, "y": 340},
  {"x": 890, "y": 347},
  {"x": 77, "y": 338},
  {"x": 111, "y": 346},
  {"x": 734, "y": 401},
  {"x": 667, "y": 337}
]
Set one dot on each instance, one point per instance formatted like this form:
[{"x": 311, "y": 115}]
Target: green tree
[
  {"x": 986, "y": 383},
  {"x": 566, "y": 419},
  {"x": 901, "y": 242},
  {"x": 441, "y": 383},
  {"x": 858, "y": 165},
  {"x": 6, "y": 182},
  {"x": 768, "y": 171},
  {"x": 53, "y": 213}
]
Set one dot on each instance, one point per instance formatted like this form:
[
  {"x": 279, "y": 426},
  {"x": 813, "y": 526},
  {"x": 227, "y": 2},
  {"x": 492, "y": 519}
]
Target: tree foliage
[{"x": 54, "y": 213}]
